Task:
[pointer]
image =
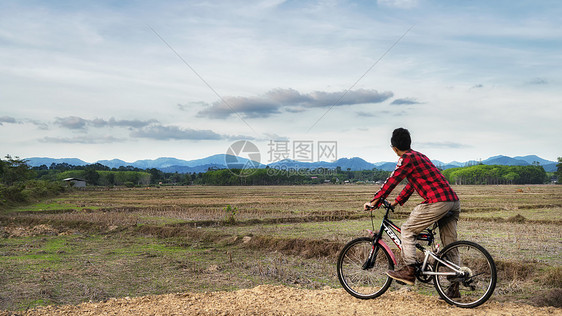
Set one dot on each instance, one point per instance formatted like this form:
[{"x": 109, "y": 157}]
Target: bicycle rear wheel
[
  {"x": 478, "y": 280},
  {"x": 360, "y": 278}
]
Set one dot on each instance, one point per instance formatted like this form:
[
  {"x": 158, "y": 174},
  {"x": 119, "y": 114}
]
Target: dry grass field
[{"x": 98, "y": 244}]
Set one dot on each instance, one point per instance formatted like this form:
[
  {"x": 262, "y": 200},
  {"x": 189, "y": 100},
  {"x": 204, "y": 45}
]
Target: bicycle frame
[{"x": 389, "y": 228}]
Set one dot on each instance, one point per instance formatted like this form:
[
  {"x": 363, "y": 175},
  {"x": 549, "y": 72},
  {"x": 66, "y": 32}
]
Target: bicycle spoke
[
  {"x": 477, "y": 279},
  {"x": 358, "y": 281}
]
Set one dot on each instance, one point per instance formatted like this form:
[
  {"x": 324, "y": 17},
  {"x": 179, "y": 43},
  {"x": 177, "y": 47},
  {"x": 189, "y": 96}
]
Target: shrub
[
  {"x": 24, "y": 191},
  {"x": 230, "y": 214},
  {"x": 13, "y": 193},
  {"x": 41, "y": 188}
]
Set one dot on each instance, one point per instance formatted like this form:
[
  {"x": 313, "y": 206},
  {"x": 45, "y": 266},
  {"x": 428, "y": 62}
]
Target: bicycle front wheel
[
  {"x": 360, "y": 276},
  {"x": 477, "y": 281}
]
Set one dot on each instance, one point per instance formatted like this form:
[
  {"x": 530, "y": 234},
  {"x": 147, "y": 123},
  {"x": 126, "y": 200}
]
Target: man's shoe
[
  {"x": 453, "y": 290},
  {"x": 406, "y": 275}
]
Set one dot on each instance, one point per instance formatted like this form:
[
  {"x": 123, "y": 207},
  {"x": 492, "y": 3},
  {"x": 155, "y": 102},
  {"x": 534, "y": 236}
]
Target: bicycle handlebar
[{"x": 386, "y": 204}]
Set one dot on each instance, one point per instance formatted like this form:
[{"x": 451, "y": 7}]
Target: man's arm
[
  {"x": 405, "y": 194},
  {"x": 402, "y": 169}
]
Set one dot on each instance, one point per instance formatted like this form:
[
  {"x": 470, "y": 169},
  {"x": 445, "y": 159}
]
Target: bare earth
[{"x": 281, "y": 300}]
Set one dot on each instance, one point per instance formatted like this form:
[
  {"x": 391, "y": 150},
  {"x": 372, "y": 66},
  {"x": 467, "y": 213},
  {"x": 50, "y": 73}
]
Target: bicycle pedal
[{"x": 400, "y": 282}]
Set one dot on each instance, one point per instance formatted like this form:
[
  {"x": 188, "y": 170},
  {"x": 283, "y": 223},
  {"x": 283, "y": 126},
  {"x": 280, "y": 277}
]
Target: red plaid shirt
[{"x": 422, "y": 176}]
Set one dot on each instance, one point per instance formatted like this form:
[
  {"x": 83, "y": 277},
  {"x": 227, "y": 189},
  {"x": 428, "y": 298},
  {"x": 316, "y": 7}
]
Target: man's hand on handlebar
[{"x": 370, "y": 205}]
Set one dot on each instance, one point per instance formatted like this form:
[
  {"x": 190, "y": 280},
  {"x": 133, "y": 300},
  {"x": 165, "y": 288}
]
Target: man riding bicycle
[{"x": 439, "y": 199}]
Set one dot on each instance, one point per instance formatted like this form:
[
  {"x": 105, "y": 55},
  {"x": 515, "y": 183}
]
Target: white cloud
[
  {"x": 71, "y": 122},
  {"x": 274, "y": 101},
  {"x": 78, "y": 123},
  {"x": 405, "y": 101},
  {"x": 86, "y": 139},
  {"x": 160, "y": 132},
  {"x": 8, "y": 119}
]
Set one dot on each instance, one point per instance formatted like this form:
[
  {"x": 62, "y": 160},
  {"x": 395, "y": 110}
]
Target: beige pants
[{"x": 423, "y": 216}]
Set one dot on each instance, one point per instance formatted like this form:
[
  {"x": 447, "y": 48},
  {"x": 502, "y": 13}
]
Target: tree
[
  {"x": 98, "y": 166},
  {"x": 3, "y": 166},
  {"x": 91, "y": 176},
  {"x": 14, "y": 170},
  {"x": 111, "y": 178},
  {"x": 61, "y": 166},
  {"x": 559, "y": 169},
  {"x": 511, "y": 177},
  {"x": 187, "y": 179},
  {"x": 155, "y": 175}
]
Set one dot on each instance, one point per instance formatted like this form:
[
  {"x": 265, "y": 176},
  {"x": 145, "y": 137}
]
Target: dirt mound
[
  {"x": 22, "y": 231},
  {"x": 281, "y": 300}
]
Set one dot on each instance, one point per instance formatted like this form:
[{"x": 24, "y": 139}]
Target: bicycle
[{"x": 363, "y": 262}]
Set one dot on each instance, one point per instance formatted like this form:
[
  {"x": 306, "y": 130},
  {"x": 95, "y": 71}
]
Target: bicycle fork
[
  {"x": 377, "y": 243},
  {"x": 370, "y": 262}
]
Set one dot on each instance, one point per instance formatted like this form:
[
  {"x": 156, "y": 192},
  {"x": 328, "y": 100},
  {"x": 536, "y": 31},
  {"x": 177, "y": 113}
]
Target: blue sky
[{"x": 146, "y": 79}]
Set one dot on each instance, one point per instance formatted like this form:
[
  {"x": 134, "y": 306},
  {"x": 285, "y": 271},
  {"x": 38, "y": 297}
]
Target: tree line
[
  {"x": 98, "y": 174},
  {"x": 497, "y": 174},
  {"x": 101, "y": 175},
  {"x": 272, "y": 176}
]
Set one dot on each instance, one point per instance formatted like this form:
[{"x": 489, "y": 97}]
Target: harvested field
[{"x": 107, "y": 243}]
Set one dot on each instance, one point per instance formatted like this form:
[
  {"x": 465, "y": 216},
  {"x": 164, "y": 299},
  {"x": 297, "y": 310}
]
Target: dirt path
[{"x": 281, "y": 300}]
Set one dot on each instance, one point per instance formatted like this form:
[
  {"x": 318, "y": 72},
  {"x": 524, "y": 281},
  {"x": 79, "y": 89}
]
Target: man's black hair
[{"x": 401, "y": 139}]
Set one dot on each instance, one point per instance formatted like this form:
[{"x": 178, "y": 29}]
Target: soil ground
[
  {"x": 273, "y": 249},
  {"x": 282, "y": 300}
]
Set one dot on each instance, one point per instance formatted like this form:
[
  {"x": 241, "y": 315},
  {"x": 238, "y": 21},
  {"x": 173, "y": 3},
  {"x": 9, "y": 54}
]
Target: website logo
[{"x": 243, "y": 158}]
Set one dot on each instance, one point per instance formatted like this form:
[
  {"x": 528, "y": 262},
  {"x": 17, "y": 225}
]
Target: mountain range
[{"x": 219, "y": 161}]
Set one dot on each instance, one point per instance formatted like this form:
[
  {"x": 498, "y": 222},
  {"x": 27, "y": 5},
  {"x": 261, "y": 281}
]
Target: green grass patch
[
  {"x": 43, "y": 206},
  {"x": 56, "y": 205},
  {"x": 35, "y": 253}
]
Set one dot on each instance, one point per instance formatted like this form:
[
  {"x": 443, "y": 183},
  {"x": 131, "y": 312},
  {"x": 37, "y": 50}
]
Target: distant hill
[
  {"x": 353, "y": 164},
  {"x": 549, "y": 166},
  {"x": 505, "y": 161},
  {"x": 387, "y": 166},
  {"x": 114, "y": 163},
  {"x": 170, "y": 164},
  {"x": 39, "y": 161},
  {"x": 159, "y": 163},
  {"x": 530, "y": 159},
  {"x": 456, "y": 163},
  {"x": 219, "y": 159}
]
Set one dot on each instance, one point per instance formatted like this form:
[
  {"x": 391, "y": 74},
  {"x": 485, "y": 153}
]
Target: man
[{"x": 439, "y": 198}]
